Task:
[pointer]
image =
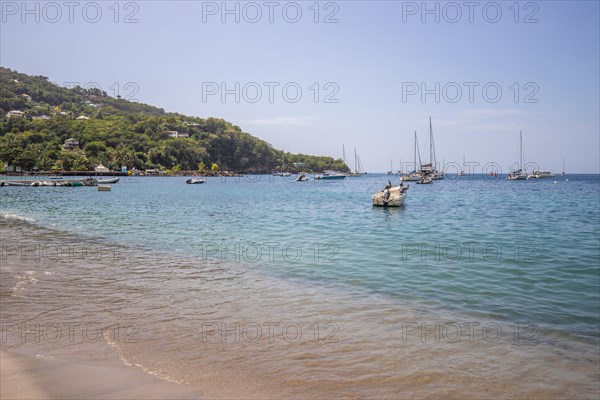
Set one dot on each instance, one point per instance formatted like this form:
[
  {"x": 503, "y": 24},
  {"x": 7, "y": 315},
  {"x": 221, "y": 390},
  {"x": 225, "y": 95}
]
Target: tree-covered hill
[{"x": 116, "y": 132}]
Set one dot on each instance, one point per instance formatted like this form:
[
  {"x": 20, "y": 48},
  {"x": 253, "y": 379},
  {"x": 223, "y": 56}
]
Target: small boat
[
  {"x": 462, "y": 170},
  {"x": 17, "y": 183},
  {"x": 412, "y": 177},
  {"x": 195, "y": 181},
  {"x": 302, "y": 178},
  {"x": 542, "y": 174},
  {"x": 425, "y": 181},
  {"x": 430, "y": 169},
  {"x": 390, "y": 196},
  {"x": 110, "y": 180},
  {"x": 330, "y": 175},
  {"x": 519, "y": 174},
  {"x": 103, "y": 188},
  {"x": 415, "y": 175}
]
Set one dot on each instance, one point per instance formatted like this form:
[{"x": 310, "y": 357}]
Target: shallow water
[{"x": 262, "y": 287}]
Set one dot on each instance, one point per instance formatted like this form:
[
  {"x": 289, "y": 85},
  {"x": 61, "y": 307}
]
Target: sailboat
[
  {"x": 430, "y": 169},
  {"x": 519, "y": 175},
  {"x": 563, "y": 171},
  {"x": 358, "y": 170},
  {"x": 391, "y": 171},
  {"x": 462, "y": 170},
  {"x": 415, "y": 175}
]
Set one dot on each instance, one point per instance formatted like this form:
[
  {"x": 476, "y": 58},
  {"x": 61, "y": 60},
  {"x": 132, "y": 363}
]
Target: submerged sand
[{"x": 25, "y": 377}]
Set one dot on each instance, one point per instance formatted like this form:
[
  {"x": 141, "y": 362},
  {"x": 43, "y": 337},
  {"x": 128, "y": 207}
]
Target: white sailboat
[
  {"x": 358, "y": 169},
  {"x": 462, "y": 170},
  {"x": 415, "y": 175},
  {"x": 519, "y": 175},
  {"x": 431, "y": 168}
]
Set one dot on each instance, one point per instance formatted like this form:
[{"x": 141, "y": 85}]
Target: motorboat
[
  {"x": 425, "y": 181},
  {"x": 103, "y": 188},
  {"x": 330, "y": 175},
  {"x": 542, "y": 174},
  {"x": 302, "y": 178},
  {"x": 412, "y": 177},
  {"x": 195, "y": 181},
  {"x": 110, "y": 180},
  {"x": 390, "y": 196}
]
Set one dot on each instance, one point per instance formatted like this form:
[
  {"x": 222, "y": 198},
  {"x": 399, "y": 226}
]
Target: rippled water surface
[{"x": 264, "y": 287}]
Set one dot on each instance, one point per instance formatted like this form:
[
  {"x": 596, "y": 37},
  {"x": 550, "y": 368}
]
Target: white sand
[{"x": 23, "y": 377}]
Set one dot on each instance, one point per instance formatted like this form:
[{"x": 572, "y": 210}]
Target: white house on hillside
[
  {"x": 15, "y": 113},
  {"x": 175, "y": 134},
  {"x": 71, "y": 144}
]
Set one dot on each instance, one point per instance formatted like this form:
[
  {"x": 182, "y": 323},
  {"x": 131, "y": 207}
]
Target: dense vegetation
[{"x": 119, "y": 132}]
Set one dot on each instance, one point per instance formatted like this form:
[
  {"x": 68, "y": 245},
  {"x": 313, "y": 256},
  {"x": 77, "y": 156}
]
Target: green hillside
[{"x": 116, "y": 132}]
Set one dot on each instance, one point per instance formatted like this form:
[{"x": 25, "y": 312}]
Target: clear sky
[{"x": 369, "y": 72}]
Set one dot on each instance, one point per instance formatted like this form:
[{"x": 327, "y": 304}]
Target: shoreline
[{"x": 27, "y": 377}]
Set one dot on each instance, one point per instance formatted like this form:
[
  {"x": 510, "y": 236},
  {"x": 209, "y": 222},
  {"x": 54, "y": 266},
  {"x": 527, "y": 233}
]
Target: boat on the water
[
  {"x": 71, "y": 183},
  {"x": 430, "y": 169},
  {"x": 302, "y": 178},
  {"x": 519, "y": 174},
  {"x": 462, "y": 170},
  {"x": 390, "y": 196},
  {"x": 425, "y": 181},
  {"x": 330, "y": 175},
  {"x": 110, "y": 180},
  {"x": 541, "y": 174},
  {"x": 414, "y": 176},
  {"x": 195, "y": 181},
  {"x": 103, "y": 188}
]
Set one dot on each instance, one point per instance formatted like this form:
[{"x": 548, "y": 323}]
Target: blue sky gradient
[{"x": 371, "y": 55}]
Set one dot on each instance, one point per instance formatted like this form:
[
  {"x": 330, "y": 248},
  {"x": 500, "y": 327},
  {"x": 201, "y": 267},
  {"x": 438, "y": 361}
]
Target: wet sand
[{"x": 25, "y": 377}]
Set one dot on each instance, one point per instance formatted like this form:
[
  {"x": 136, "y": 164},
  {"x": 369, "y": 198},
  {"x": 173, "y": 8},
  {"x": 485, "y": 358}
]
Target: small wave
[
  {"x": 121, "y": 354},
  {"x": 16, "y": 217}
]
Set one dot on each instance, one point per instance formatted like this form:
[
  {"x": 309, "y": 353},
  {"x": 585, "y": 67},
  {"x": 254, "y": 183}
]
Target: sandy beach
[{"x": 25, "y": 377}]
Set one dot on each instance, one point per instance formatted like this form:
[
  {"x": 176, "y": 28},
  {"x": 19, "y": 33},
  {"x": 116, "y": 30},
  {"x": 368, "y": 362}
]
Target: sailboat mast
[
  {"x": 344, "y": 153},
  {"x": 419, "y": 152},
  {"x": 521, "y": 150},
  {"x": 432, "y": 157},
  {"x": 415, "y": 150}
]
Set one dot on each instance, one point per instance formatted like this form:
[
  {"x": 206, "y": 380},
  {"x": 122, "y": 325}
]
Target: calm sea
[{"x": 261, "y": 286}]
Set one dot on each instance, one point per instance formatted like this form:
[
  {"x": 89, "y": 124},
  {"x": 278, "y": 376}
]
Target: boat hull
[
  {"x": 393, "y": 197},
  {"x": 411, "y": 178},
  {"x": 330, "y": 177},
  {"x": 195, "y": 181},
  {"x": 105, "y": 181}
]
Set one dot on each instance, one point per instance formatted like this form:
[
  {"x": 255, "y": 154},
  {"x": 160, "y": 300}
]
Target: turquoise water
[
  {"x": 476, "y": 288},
  {"x": 488, "y": 248}
]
